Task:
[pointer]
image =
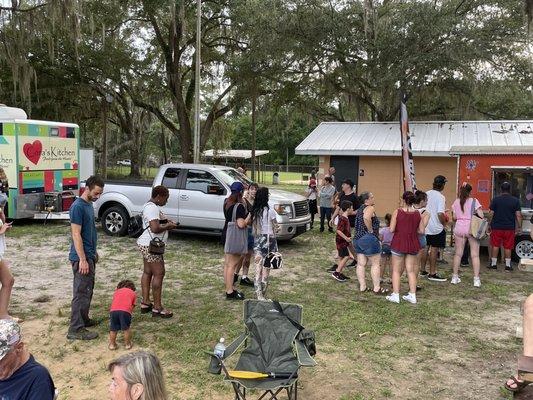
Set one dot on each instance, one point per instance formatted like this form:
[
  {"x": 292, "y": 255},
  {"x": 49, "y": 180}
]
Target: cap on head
[
  {"x": 440, "y": 180},
  {"x": 236, "y": 187},
  {"x": 9, "y": 335}
]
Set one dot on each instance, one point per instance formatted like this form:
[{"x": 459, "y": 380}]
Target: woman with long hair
[
  {"x": 249, "y": 198},
  {"x": 464, "y": 208},
  {"x": 137, "y": 376},
  {"x": 366, "y": 243},
  {"x": 406, "y": 224},
  {"x": 264, "y": 226},
  {"x": 235, "y": 243}
]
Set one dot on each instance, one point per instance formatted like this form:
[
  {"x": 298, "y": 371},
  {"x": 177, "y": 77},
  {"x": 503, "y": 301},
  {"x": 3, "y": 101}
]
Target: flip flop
[
  {"x": 111, "y": 347},
  {"x": 162, "y": 313},
  {"x": 519, "y": 385},
  {"x": 147, "y": 308},
  {"x": 128, "y": 346},
  {"x": 381, "y": 292}
]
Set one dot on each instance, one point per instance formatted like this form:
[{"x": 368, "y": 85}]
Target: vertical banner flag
[{"x": 408, "y": 164}]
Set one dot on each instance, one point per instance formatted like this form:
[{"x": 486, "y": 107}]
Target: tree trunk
[
  {"x": 253, "y": 137},
  {"x": 164, "y": 145},
  {"x": 103, "y": 159}
]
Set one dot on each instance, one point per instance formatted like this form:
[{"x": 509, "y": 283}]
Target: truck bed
[{"x": 128, "y": 182}]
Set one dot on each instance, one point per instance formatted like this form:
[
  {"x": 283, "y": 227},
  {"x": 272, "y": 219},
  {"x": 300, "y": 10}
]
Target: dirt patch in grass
[{"x": 457, "y": 343}]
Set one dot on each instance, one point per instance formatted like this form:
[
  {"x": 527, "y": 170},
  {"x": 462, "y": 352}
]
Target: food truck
[
  {"x": 40, "y": 160},
  {"x": 485, "y": 168}
]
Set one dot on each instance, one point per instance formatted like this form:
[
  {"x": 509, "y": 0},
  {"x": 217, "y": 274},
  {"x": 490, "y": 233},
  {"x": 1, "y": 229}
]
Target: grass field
[{"x": 457, "y": 343}]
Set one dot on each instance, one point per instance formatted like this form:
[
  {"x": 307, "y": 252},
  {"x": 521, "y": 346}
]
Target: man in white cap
[{"x": 21, "y": 377}]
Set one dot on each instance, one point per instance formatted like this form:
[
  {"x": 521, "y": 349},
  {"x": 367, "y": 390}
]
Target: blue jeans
[{"x": 325, "y": 213}]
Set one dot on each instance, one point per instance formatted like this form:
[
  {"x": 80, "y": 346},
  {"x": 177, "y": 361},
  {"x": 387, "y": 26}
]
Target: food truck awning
[{"x": 459, "y": 150}]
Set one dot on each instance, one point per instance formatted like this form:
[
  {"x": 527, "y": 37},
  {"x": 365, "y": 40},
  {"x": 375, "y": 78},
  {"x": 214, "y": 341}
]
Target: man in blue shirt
[
  {"x": 21, "y": 377},
  {"x": 83, "y": 257}
]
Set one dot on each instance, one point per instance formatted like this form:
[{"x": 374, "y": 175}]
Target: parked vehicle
[
  {"x": 125, "y": 162},
  {"x": 41, "y": 160},
  {"x": 197, "y": 194}
]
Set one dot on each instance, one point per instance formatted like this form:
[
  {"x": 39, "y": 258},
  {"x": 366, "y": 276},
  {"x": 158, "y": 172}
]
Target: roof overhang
[
  {"x": 369, "y": 153},
  {"x": 480, "y": 150}
]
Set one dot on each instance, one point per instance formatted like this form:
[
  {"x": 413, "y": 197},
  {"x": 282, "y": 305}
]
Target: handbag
[
  {"x": 274, "y": 259},
  {"x": 478, "y": 225},
  {"x": 236, "y": 238},
  {"x": 156, "y": 245}
]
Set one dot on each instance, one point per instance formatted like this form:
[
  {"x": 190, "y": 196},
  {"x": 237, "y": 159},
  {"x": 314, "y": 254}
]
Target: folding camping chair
[{"x": 271, "y": 345}]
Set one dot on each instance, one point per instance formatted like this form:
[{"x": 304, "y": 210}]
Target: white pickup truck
[{"x": 197, "y": 194}]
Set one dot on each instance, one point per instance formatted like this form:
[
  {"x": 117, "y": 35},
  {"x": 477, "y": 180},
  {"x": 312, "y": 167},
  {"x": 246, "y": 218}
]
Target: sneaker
[
  {"x": 91, "y": 322},
  {"x": 235, "y": 295},
  {"x": 246, "y": 282},
  {"x": 338, "y": 276},
  {"x": 455, "y": 280},
  {"x": 411, "y": 298},
  {"x": 393, "y": 298},
  {"x": 424, "y": 273},
  {"x": 353, "y": 264},
  {"x": 235, "y": 278},
  {"x": 419, "y": 288},
  {"x": 464, "y": 265},
  {"x": 344, "y": 276},
  {"x": 333, "y": 268},
  {"x": 436, "y": 278},
  {"x": 508, "y": 269},
  {"x": 477, "y": 282},
  {"x": 82, "y": 334},
  {"x": 490, "y": 266}
]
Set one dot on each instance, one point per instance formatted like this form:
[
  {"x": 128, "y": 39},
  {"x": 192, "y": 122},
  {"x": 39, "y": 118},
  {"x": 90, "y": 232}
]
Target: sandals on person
[
  {"x": 525, "y": 372},
  {"x": 112, "y": 347},
  {"x": 128, "y": 346},
  {"x": 146, "y": 308},
  {"x": 381, "y": 292},
  {"x": 162, "y": 313}
]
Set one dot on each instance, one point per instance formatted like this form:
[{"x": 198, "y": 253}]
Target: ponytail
[{"x": 464, "y": 193}]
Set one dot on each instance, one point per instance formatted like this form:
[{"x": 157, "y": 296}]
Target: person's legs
[
  {"x": 474, "y": 255},
  {"x": 112, "y": 340},
  {"x": 146, "y": 281},
  {"x": 81, "y": 295},
  {"x": 528, "y": 336},
  {"x": 459, "y": 248},
  {"x": 374, "y": 272},
  {"x": 230, "y": 263},
  {"x": 495, "y": 243},
  {"x": 7, "y": 281},
  {"x": 322, "y": 217},
  {"x": 466, "y": 254},
  {"x": 423, "y": 259},
  {"x": 258, "y": 276},
  {"x": 433, "y": 255},
  {"x": 158, "y": 273},
  {"x": 410, "y": 266},
  {"x": 328, "y": 217},
  {"x": 397, "y": 266},
  {"x": 127, "y": 338},
  {"x": 361, "y": 263}
]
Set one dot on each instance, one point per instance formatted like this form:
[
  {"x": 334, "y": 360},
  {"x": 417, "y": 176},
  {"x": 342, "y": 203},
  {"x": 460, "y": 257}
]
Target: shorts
[
  {"x": 500, "y": 237},
  {"x": 151, "y": 258},
  {"x": 343, "y": 252},
  {"x": 368, "y": 245},
  {"x": 401, "y": 254},
  {"x": 261, "y": 246},
  {"x": 438, "y": 240},
  {"x": 385, "y": 249},
  {"x": 119, "y": 321},
  {"x": 423, "y": 241}
]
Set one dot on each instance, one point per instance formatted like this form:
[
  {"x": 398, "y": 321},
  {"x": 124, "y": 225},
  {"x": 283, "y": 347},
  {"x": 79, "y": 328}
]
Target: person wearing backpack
[
  {"x": 264, "y": 226},
  {"x": 155, "y": 226},
  {"x": 463, "y": 210}
]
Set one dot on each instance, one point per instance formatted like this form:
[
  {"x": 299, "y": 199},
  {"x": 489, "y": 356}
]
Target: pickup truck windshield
[{"x": 230, "y": 175}]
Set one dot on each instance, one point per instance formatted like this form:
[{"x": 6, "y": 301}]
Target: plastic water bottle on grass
[{"x": 220, "y": 348}]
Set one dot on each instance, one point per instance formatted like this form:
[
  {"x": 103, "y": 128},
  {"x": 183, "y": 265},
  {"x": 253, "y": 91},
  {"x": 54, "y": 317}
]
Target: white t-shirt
[
  {"x": 436, "y": 204},
  {"x": 151, "y": 212},
  {"x": 267, "y": 227},
  {"x": 311, "y": 193}
]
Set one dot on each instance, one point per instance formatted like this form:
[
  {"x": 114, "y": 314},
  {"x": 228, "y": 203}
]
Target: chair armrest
[
  {"x": 235, "y": 345},
  {"x": 304, "y": 358}
]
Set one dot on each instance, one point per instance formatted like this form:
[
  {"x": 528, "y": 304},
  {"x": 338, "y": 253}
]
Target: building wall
[{"x": 382, "y": 177}]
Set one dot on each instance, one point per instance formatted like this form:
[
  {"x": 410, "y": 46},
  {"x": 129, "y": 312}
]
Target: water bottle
[{"x": 220, "y": 348}]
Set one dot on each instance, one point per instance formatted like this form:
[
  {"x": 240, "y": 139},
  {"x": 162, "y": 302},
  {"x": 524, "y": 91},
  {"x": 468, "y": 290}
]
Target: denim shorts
[
  {"x": 368, "y": 245},
  {"x": 423, "y": 241},
  {"x": 250, "y": 239},
  {"x": 119, "y": 321}
]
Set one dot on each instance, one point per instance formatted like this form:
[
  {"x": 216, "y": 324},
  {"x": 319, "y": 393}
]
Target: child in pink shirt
[{"x": 122, "y": 305}]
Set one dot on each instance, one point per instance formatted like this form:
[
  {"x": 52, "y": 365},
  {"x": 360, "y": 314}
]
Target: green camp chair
[{"x": 272, "y": 345}]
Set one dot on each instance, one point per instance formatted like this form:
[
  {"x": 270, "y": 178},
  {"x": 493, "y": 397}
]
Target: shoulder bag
[
  {"x": 274, "y": 259},
  {"x": 236, "y": 238},
  {"x": 478, "y": 225}
]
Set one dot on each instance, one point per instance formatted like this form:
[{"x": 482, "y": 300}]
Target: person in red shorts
[
  {"x": 506, "y": 220},
  {"x": 122, "y": 305},
  {"x": 343, "y": 240}
]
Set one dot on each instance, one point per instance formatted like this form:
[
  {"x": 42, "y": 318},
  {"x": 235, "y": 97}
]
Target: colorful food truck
[
  {"x": 40, "y": 160},
  {"x": 485, "y": 168}
]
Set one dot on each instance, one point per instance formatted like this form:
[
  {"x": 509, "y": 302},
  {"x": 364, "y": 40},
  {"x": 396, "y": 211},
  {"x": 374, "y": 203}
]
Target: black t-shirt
[
  {"x": 504, "y": 207},
  {"x": 354, "y": 199},
  {"x": 32, "y": 381},
  {"x": 241, "y": 212}
]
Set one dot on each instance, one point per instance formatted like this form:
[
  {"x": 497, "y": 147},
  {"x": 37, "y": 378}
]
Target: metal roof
[
  {"x": 244, "y": 154},
  {"x": 428, "y": 138},
  {"x": 516, "y": 150}
]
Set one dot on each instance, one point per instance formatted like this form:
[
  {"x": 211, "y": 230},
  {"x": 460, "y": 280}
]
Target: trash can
[{"x": 275, "y": 178}]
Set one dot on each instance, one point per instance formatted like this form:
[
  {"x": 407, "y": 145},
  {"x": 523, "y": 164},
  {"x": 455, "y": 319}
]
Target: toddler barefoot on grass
[{"x": 120, "y": 313}]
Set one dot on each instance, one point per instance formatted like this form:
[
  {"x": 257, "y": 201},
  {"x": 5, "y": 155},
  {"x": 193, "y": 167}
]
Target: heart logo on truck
[{"x": 33, "y": 151}]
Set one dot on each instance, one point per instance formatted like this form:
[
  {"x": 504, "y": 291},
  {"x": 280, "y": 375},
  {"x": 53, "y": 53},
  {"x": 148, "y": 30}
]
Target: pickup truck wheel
[
  {"x": 523, "y": 248},
  {"x": 115, "y": 221}
]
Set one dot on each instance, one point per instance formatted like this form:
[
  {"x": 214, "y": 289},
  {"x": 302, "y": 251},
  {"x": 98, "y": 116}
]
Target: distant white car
[{"x": 126, "y": 162}]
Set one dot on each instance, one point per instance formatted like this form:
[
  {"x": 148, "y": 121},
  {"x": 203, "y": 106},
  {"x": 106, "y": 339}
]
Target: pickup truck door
[
  {"x": 172, "y": 180},
  {"x": 201, "y": 200}
]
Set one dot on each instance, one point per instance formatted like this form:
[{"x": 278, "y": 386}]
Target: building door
[{"x": 346, "y": 167}]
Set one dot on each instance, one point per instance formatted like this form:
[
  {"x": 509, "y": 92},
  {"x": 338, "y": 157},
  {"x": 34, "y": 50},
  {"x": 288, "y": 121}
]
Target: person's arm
[
  {"x": 422, "y": 226},
  {"x": 519, "y": 221},
  {"x": 153, "y": 215},
  {"x": 5, "y": 227},
  {"x": 454, "y": 214},
  {"x": 243, "y": 222},
  {"x": 392, "y": 226},
  {"x": 367, "y": 217},
  {"x": 441, "y": 211}
]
